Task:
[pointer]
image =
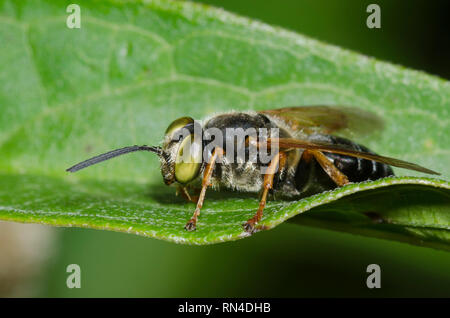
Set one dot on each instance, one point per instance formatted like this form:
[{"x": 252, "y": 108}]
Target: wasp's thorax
[{"x": 181, "y": 156}]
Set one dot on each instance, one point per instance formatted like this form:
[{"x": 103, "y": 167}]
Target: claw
[
  {"x": 249, "y": 226},
  {"x": 190, "y": 225}
]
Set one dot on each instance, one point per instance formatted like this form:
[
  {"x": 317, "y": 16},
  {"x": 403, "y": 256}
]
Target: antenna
[{"x": 112, "y": 154}]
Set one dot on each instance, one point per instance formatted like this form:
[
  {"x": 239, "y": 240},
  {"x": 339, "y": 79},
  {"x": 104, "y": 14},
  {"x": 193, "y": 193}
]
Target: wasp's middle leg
[
  {"x": 218, "y": 152},
  {"x": 279, "y": 157}
]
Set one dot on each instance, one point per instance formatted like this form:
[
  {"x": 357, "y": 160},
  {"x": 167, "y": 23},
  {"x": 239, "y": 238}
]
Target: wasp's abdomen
[{"x": 311, "y": 178}]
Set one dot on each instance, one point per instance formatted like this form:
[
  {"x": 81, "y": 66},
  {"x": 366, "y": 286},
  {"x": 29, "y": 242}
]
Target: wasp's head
[{"x": 181, "y": 153}]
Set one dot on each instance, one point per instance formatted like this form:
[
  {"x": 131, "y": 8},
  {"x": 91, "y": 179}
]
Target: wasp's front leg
[
  {"x": 279, "y": 157},
  {"x": 206, "y": 181},
  {"x": 185, "y": 194}
]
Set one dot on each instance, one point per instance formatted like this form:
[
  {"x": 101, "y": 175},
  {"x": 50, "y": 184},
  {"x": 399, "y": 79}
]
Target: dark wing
[
  {"x": 288, "y": 143},
  {"x": 327, "y": 119}
]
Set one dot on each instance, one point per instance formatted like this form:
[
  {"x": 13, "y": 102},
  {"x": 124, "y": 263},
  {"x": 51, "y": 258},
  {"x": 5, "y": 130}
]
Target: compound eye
[
  {"x": 188, "y": 160},
  {"x": 177, "y": 125}
]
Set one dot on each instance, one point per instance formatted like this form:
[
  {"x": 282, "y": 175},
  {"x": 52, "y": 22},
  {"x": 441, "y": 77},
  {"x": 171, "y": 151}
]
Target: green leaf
[{"x": 132, "y": 68}]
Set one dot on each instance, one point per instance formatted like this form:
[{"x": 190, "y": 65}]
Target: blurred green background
[{"x": 290, "y": 260}]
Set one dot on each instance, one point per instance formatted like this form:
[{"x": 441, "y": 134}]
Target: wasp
[{"x": 307, "y": 156}]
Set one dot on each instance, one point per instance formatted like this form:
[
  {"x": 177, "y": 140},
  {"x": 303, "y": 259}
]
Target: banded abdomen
[{"x": 310, "y": 178}]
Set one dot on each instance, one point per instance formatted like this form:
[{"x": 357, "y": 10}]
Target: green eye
[
  {"x": 188, "y": 160},
  {"x": 176, "y": 125}
]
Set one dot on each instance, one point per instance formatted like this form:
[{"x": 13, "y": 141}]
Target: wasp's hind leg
[
  {"x": 335, "y": 174},
  {"x": 249, "y": 226},
  {"x": 192, "y": 223}
]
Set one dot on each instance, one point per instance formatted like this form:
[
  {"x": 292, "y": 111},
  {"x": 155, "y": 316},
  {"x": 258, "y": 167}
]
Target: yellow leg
[
  {"x": 249, "y": 226},
  {"x": 335, "y": 174},
  {"x": 192, "y": 223},
  {"x": 185, "y": 194}
]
